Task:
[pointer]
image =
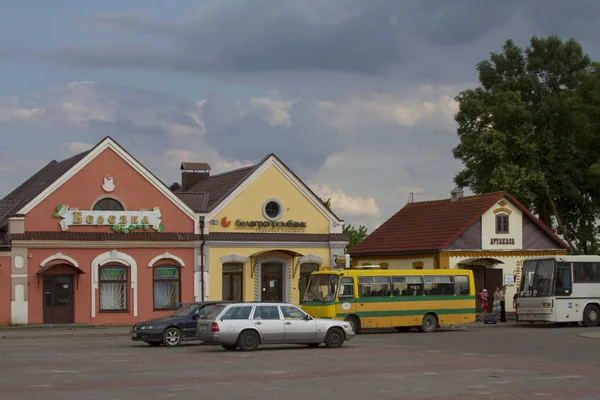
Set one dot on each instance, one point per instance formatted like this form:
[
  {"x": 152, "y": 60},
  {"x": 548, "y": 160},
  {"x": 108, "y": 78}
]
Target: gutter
[{"x": 203, "y": 242}]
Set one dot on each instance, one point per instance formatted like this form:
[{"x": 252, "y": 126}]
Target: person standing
[
  {"x": 483, "y": 298},
  {"x": 496, "y": 304},
  {"x": 503, "y": 304}
]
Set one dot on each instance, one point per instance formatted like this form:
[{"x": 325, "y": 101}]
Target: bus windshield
[
  {"x": 321, "y": 288},
  {"x": 537, "y": 279}
]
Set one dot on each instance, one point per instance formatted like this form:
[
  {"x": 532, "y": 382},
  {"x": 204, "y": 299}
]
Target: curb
[
  {"x": 65, "y": 335},
  {"x": 589, "y": 335}
]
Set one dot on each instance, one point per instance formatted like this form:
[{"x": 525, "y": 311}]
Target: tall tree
[
  {"x": 354, "y": 234},
  {"x": 523, "y": 131}
]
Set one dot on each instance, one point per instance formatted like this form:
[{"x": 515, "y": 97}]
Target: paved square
[{"x": 516, "y": 362}]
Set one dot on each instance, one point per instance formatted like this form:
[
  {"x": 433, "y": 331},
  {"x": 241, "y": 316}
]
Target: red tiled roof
[{"x": 433, "y": 225}]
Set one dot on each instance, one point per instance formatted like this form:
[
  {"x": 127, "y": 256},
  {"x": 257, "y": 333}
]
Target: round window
[{"x": 272, "y": 209}]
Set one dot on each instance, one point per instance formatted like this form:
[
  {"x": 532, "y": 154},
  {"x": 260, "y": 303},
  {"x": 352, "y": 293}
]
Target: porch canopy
[{"x": 480, "y": 262}]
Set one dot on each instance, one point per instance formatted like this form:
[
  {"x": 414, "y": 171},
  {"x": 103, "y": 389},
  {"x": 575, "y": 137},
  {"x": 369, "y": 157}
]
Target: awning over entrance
[
  {"x": 40, "y": 272},
  {"x": 480, "y": 262},
  {"x": 290, "y": 253}
]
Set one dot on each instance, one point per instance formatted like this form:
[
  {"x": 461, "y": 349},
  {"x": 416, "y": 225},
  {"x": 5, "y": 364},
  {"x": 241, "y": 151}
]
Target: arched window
[
  {"x": 108, "y": 204},
  {"x": 167, "y": 287},
  {"x": 113, "y": 288}
]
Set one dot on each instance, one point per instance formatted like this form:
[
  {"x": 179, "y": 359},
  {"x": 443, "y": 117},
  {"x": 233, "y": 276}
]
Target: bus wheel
[
  {"x": 429, "y": 323},
  {"x": 354, "y": 323},
  {"x": 591, "y": 316}
]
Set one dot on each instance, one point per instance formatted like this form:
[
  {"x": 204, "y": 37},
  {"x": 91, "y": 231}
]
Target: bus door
[
  {"x": 563, "y": 287},
  {"x": 347, "y": 302}
]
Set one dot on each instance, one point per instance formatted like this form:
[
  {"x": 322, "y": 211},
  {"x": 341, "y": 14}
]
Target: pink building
[{"x": 95, "y": 239}]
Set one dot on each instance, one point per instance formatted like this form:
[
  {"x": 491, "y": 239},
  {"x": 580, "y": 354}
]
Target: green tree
[
  {"x": 354, "y": 234},
  {"x": 528, "y": 130}
]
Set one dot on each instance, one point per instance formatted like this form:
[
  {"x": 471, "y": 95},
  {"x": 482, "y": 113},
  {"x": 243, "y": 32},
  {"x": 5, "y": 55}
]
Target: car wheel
[
  {"x": 429, "y": 323},
  {"x": 354, "y": 323},
  {"x": 591, "y": 316},
  {"x": 154, "y": 344},
  {"x": 172, "y": 337},
  {"x": 248, "y": 341},
  {"x": 334, "y": 338},
  {"x": 229, "y": 347}
]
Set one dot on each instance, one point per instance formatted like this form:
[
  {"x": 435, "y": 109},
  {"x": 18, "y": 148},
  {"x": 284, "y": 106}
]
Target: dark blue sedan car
[{"x": 173, "y": 329}]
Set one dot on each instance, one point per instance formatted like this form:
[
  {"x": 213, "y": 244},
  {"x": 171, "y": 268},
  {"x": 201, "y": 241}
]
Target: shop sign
[
  {"x": 502, "y": 241},
  {"x": 121, "y": 221},
  {"x": 240, "y": 223}
]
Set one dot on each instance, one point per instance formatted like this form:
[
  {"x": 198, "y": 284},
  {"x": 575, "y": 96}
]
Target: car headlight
[
  {"x": 347, "y": 326},
  {"x": 147, "y": 327}
]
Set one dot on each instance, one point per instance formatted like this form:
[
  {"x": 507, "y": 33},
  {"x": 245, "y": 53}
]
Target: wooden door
[
  {"x": 58, "y": 299},
  {"x": 272, "y": 282}
]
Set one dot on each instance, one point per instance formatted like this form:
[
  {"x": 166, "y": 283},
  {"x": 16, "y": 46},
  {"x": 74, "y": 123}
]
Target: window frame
[
  {"x": 502, "y": 224},
  {"x": 264, "y": 209},
  {"x": 108, "y": 199},
  {"x": 154, "y": 281},
  {"x": 231, "y": 274},
  {"x": 125, "y": 282},
  {"x": 342, "y": 284}
]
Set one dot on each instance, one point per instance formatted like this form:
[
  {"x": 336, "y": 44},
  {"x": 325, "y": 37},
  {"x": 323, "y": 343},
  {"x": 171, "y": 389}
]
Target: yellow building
[
  {"x": 263, "y": 231},
  {"x": 490, "y": 234}
]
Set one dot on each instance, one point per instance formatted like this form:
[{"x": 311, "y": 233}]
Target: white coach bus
[{"x": 560, "y": 289}]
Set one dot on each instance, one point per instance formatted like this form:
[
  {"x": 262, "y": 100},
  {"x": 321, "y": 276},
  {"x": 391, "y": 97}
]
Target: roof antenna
[{"x": 411, "y": 198}]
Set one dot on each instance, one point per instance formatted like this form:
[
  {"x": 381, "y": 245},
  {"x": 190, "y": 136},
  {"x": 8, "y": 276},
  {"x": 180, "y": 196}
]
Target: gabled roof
[
  {"x": 218, "y": 188},
  {"x": 35, "y": 185},
  {"x": 213, "y": 189},
  {"x": 54, "y": 174},
  {"x": 432, "y": 225}
]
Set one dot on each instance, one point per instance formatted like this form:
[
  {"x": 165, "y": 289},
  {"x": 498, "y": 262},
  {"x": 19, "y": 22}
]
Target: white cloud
[
  {"x": 346, "y": 205},
  {"x": 425, "y": 105},
  {"x": 77, "y": 147}
]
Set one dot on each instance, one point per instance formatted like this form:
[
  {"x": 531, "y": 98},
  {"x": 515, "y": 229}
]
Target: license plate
[{"x": 203, "y": 328}]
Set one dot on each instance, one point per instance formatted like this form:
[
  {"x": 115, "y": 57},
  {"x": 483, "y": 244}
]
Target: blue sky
[{"x": 355, "y": 96}]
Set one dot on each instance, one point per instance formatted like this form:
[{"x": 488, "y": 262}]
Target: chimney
[
  {"x": 192, "y": 173},
  {"x": 456, "y": 194}
]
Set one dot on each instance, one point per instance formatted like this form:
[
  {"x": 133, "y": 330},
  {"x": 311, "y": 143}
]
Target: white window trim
[
  {"x": 114, "y": 256},
  {"x": 166, "y": 255},
  {"x": 264, "y": 209}
]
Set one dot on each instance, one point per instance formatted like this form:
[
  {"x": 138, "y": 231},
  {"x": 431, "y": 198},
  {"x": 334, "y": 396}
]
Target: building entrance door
[
  {"x": 58, "y": 299},
  {"x": 271, "y": 282}
]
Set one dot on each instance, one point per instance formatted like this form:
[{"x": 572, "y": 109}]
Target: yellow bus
[{"x": 371, "y": 297}]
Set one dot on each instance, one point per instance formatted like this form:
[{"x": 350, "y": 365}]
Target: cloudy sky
[{"x": 355, "y": 96}]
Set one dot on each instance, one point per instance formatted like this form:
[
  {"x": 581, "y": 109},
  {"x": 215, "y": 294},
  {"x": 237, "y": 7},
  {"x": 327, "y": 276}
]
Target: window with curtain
[
  {"x": 167, "y": 283},
  {"x": 113, "y": 288},
  {"x": 233, "y": 278}
]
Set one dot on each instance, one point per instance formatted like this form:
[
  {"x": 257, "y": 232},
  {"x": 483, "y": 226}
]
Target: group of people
[{"x": 498, "y": 305}]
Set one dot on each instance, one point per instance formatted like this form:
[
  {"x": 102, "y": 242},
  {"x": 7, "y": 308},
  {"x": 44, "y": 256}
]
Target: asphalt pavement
[{"x": 500, "y": 362}]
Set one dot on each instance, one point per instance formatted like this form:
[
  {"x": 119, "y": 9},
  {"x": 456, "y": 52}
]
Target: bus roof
[
  {"x": 563, "y": 258},
  {"x": 371, "y": 271}
]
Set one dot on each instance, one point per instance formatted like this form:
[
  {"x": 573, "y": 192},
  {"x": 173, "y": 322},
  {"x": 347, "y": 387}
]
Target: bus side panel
[{"x": 568, "y": 310}]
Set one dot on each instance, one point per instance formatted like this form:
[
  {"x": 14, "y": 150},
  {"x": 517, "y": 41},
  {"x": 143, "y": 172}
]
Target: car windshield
[
  {"x": 321, "y": 288},
  {"x": 214, "y": 311},
  {"x": 187, "y": 310},
  {"x": 537, "y": 278}
]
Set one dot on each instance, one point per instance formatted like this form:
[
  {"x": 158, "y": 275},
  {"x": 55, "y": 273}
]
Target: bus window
[
  {"x": 346, "y": 287},
  {"x": 438, "y": 285},
  {"x": 399, "y": 286},
  {"x": 461, "y": 285},
  {"x": 563, "y": 280},
  {"x": 374, "y": 286},
  {"x": 586, "y": 272}
]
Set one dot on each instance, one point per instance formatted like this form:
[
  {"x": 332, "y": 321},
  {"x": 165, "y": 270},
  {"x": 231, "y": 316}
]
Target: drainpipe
[{"x": 203, "y": 241}]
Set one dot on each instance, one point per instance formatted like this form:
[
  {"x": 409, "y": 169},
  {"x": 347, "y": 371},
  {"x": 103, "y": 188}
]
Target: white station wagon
[{"x": 248, "y": 325}]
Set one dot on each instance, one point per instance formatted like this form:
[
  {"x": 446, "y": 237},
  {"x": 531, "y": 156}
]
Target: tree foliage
[
  {"x": 531, "y": 129},
  {"x": 354, "y": 234}
]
